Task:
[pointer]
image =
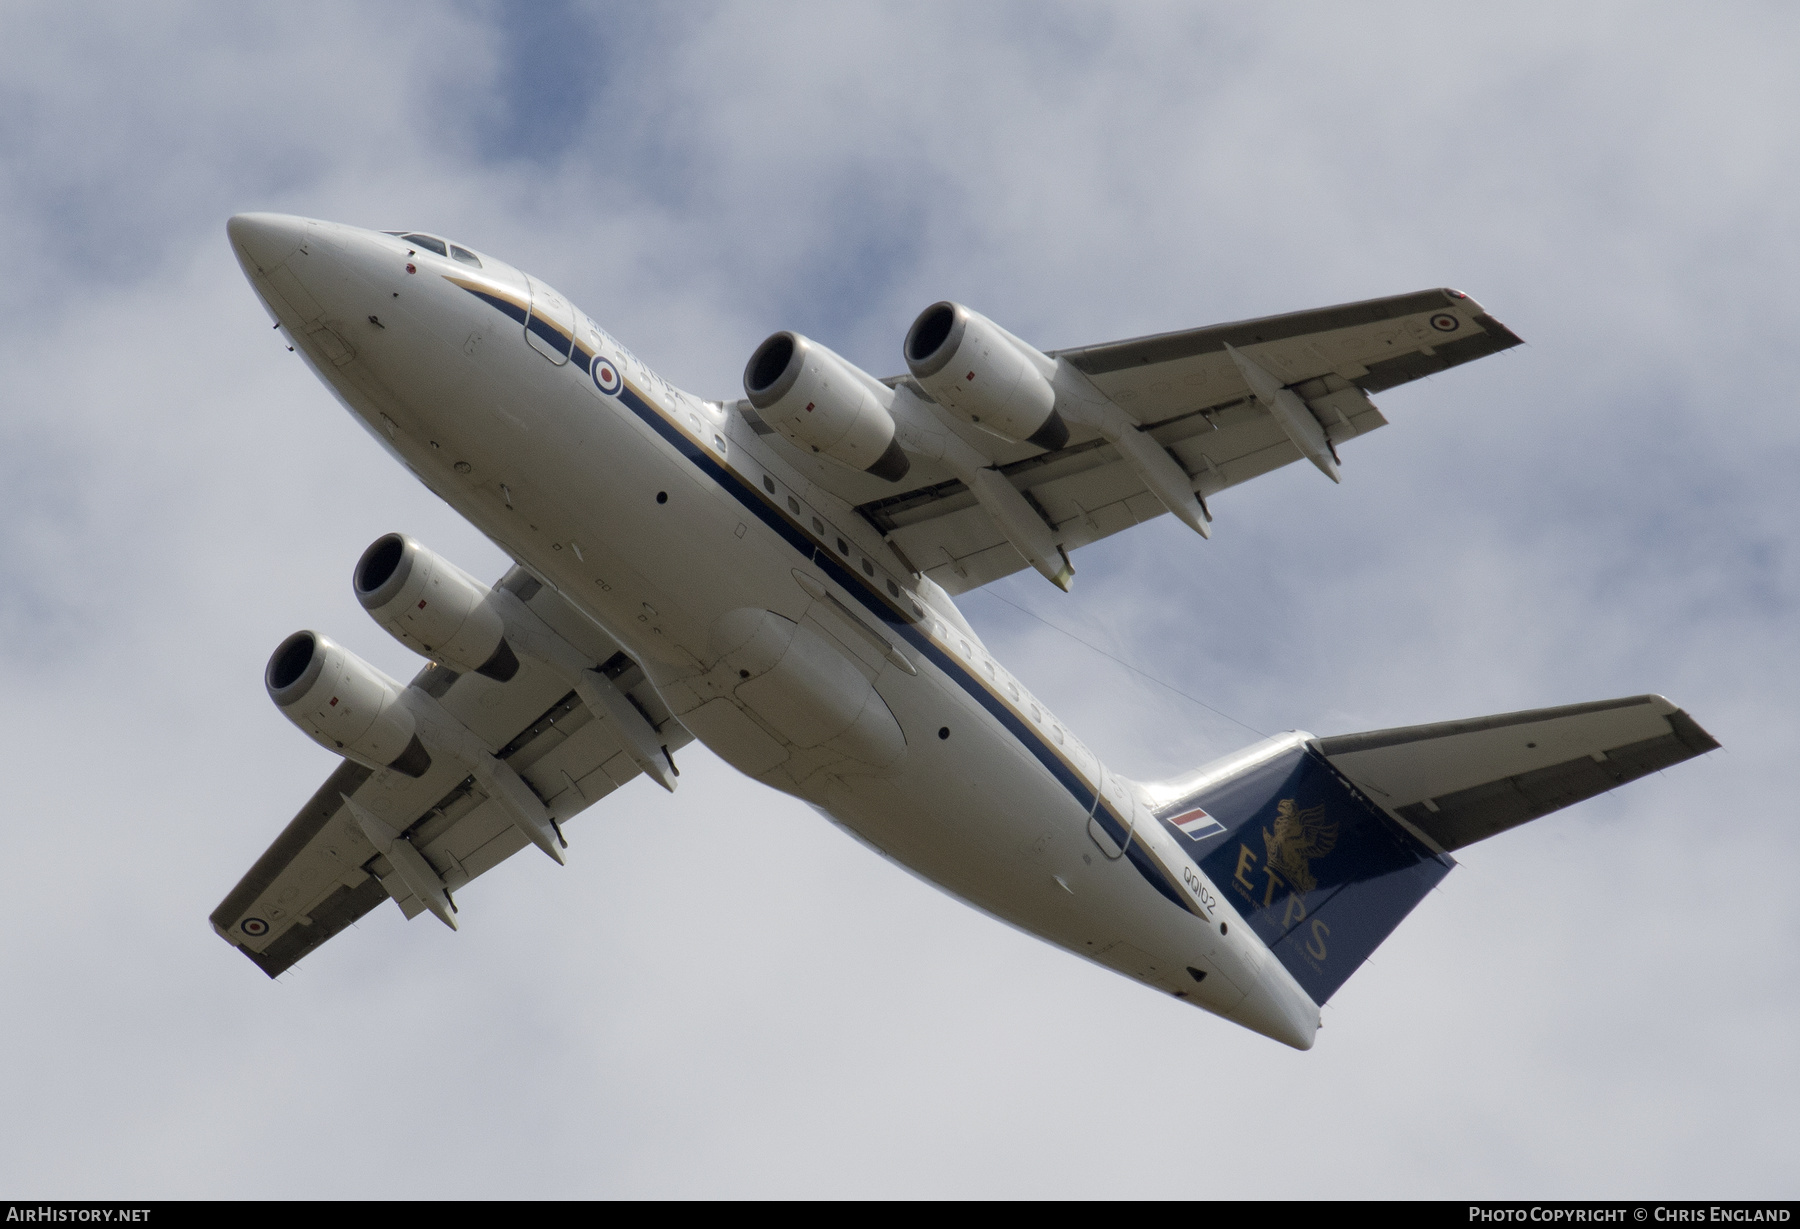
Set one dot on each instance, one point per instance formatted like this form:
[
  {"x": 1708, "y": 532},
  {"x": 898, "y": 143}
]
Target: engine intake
[
  {"x": 984, "y": 375},
  {"x": 824, "y": 405},
  {"x": 433, "y": 607},
  {"x": 344, "y": 704}
]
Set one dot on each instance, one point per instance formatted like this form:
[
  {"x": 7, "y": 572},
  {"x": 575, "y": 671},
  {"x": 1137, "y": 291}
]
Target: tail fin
[{"x": 1325, "y": 845}]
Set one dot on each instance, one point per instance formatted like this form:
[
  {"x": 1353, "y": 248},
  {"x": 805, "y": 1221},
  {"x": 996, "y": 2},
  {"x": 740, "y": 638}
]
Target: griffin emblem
[{"x": 1299, "y": 837}]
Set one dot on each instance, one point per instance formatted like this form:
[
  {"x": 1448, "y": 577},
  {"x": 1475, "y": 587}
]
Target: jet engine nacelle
[
  {"x": 824, "y": 404},
  {"x": 984, "y": 375},
  {"x": 433, "y": 607},
  {"x": 344, "y": 704}
]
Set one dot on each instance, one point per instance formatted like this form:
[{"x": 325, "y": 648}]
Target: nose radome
[{"x": 266, "y": 239}]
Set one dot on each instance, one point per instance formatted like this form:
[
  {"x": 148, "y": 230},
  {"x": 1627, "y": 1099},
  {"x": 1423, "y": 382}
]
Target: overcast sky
[{"x": 721, "y": 994}]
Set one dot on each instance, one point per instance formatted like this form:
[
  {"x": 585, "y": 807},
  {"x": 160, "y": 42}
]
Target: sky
[{"x": 722, "y": 995}]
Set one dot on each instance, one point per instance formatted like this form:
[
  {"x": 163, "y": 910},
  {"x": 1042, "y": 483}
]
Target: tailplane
[{"x": 1325, "y": 844}]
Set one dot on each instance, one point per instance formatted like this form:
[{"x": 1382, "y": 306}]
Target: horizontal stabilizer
[{"x": 1459, "y": 782}]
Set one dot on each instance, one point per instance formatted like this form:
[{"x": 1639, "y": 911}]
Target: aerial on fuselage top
[{"x": 775, "y": 577}]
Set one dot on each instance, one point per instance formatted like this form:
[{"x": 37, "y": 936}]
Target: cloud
[{"x": 722, "y": 995}]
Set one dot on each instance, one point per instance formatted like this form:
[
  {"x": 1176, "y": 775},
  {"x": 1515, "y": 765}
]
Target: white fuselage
[{"x": 671, "y": 523}]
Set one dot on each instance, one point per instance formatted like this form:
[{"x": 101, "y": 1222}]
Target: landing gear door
[
  {"x": 1103, "y": 821},
  {"x": 550, "y": 326}
]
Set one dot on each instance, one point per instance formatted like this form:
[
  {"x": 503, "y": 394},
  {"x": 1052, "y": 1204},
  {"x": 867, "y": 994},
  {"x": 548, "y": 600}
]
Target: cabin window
[
  {"x": 843, "y": 548},
  {"x": 1012, "y": 689},
  {"x": 893, "y": 589},
  {"x": 965, "y": 645},
  {"x": 918, "y": 611},
  {"x": 818, "y": 525},
  {"x": 793, "y": 505},
  {"x": 1056, "y": 731},
  {"x": 868, "y": 568},
  {"x": 465, "y": 255},
  {"x": 428, "y": 243},
  {"x": 768, "y": 484},
  {"x": 1036, "y": 716}
]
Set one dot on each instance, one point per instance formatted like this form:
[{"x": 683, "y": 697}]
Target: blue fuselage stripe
[
  {"x": 495, "y": 301},
  {"x": 553, "y": 337}
]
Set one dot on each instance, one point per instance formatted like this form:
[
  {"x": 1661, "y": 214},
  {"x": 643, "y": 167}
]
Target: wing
[
  {"x": 1459, "y": 782},
  {"x": 322, "y": 874},
  {"x": 1186, "y": 391}
]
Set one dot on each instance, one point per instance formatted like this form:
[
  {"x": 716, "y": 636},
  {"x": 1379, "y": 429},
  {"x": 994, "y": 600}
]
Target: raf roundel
[
  {"x": 606, "y": 377},
  {"x": 255, "y": 927},
  {"x": 1444, "y": 322}
]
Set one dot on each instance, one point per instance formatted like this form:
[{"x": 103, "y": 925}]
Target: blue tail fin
[{"x": 1319, "y": 872}]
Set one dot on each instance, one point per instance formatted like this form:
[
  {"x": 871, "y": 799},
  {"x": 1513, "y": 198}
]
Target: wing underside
[
  {"x": 322, "y": 874},
  {"x": 1187, "y": 392}
]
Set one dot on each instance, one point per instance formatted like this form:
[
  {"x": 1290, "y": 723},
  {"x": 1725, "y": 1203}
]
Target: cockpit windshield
[{"x": 431, "y": 243}]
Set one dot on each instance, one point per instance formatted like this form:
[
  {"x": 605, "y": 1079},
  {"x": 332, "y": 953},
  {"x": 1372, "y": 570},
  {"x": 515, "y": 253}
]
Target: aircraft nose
[{"x": 266, "y": 239}]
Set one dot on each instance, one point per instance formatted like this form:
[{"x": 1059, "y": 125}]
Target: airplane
[{"x": 774, "y": 576}]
